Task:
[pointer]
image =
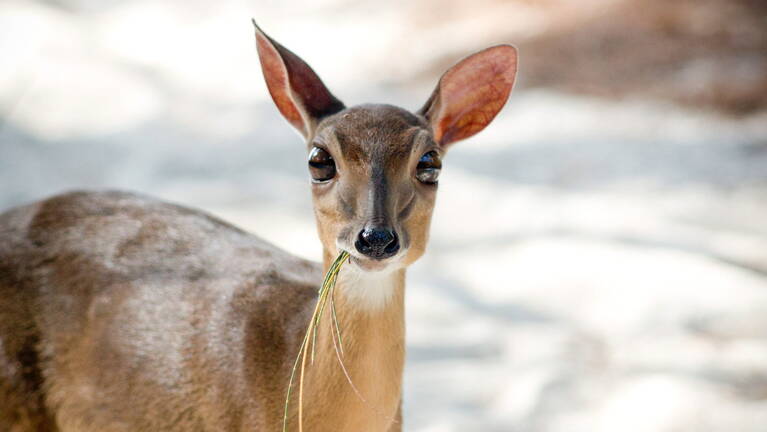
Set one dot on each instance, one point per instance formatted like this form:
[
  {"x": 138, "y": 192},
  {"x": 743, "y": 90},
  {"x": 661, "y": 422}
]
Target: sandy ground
[{"x": 595, "y": 265}]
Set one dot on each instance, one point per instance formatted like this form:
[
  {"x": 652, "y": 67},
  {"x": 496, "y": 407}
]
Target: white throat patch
[{"x": 367, "y": 290}]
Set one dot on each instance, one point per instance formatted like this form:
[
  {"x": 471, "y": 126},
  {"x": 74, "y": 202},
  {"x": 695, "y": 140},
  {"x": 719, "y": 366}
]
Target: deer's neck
[{"x": 370, "y": 312}]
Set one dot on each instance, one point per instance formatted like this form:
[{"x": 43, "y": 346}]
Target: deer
[{"x": 121, "y": 312}]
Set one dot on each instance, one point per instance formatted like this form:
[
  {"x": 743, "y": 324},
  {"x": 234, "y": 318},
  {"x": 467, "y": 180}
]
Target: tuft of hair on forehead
[
  {"x": 383, "y": 116},
  {"x": 369, "y": 130}
]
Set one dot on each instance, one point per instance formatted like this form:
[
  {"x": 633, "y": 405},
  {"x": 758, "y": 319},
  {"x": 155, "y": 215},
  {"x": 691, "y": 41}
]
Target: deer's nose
[{"x": 377, "y": 242}]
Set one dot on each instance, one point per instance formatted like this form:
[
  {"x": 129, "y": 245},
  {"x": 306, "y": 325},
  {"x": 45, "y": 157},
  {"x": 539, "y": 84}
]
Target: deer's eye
[
  {"x": 428, "y": 168},
  {"x": 321, "y": 165}
]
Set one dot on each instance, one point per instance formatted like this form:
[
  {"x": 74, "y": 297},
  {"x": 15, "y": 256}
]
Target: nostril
[
  {"x": 393, "y": 246},
  {"x": 377, "y": 242}
]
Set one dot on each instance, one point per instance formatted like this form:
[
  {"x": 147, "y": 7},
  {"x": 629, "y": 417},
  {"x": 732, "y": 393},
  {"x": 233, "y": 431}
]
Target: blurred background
[{"x": 598, "y": 258}]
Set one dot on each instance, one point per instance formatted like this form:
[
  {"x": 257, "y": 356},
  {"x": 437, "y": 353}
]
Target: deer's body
[
  {"x": 131, "y": 314},
  {"x": 123, "y": 313}
]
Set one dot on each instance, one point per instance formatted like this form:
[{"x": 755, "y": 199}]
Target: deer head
[{"x": 375, "y": 168}]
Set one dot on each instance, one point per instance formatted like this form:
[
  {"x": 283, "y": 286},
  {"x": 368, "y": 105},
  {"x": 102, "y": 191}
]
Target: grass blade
[{"x": 328, "y": 287}]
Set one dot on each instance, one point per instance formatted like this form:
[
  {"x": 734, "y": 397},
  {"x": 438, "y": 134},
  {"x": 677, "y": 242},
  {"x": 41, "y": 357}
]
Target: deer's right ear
[{"x": 296, "y": 89}]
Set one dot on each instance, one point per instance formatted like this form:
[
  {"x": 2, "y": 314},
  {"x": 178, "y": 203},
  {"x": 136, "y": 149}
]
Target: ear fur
[
  {"x": 295, "y": 88},
  {"x": 470, "y": 94}
]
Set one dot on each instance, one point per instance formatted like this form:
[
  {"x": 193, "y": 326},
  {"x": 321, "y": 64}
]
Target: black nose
[{"x": 377, "y": 242}]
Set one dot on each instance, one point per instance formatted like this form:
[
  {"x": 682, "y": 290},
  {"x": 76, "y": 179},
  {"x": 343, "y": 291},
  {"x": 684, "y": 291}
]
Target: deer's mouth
[{"x": 367, "y": 264}]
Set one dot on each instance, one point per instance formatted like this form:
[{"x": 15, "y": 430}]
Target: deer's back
[{"x": 119, "y": 312}]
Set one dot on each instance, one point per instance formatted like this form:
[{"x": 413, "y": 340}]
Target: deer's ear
[
  {"x": 296, "y": 89},
  {"x": 470, "y": 94}
]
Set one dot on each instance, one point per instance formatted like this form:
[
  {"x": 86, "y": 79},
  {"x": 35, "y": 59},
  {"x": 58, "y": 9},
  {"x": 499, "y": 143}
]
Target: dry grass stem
[{"x": 326, "y": 291}]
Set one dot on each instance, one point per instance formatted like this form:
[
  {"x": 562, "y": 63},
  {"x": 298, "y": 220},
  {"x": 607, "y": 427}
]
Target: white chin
[{"x": 368, "y": 288}]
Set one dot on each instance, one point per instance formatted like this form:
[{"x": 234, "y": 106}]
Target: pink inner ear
[
  {"x": 296, "y": 89},
  {"x": 276, "y": 76},
  {"x": 472, "y": 93}
]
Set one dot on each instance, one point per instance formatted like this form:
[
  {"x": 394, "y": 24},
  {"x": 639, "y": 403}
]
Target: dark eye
[
  {"x": 428, "y": 168},
  {"x": 321, "y": 165}
]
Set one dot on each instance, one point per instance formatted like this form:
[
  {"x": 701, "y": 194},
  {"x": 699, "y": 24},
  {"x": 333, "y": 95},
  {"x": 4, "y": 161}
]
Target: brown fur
[
  {"x": 122, "y": 313},
  {"x": 135, "y": 307}
]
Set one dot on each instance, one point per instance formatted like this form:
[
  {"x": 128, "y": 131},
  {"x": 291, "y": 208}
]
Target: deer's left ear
[
  {"x": 470, "y": 94},
  {"x": 296, "y": 89}
]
